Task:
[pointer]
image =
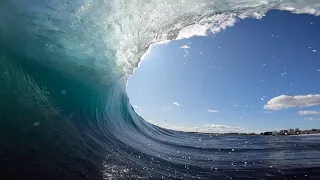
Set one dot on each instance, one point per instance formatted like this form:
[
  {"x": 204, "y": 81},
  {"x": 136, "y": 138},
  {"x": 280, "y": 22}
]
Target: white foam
[
  {"x": 118, "y": 33},
  {"x": 143, "y": 23}
]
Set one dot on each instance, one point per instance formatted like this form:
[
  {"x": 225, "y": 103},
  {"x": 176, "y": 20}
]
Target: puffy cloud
[
  {"x": 284, "y": 101},
  {"x": 309, "y": 113},
  {"x": 177, "y": 104},
  {"x": 312, "y": 119},
  {"x": 212, "y": 111}
]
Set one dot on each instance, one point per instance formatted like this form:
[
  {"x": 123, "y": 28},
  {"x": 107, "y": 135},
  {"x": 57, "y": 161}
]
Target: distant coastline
[
  {"x": 287, "y": 132},
  {"x": 296, "y": 131}
]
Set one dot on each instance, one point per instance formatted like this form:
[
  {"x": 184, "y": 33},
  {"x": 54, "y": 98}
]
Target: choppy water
[{"x": 64, "y": 112}]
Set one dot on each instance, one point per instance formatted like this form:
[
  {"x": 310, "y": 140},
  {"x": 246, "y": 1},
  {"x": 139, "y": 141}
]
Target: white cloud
[
  {"x": 312, "y": 119},
  {"x": 207, "y": 128},
  {"x": 176, "y": 103},
  {"x": 284, "y": 101},
  {"x": 219, "y": 128},
  {"x": 309, "y": 113},
  {"x": 216, "y": 126},
  {"x": 180, "y": 128},
  {"x": 212, "y": 111},
  {"x": 185, "y": 47}
]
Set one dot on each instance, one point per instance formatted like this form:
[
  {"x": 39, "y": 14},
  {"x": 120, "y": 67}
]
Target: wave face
[{"x": 64, "y": 112}]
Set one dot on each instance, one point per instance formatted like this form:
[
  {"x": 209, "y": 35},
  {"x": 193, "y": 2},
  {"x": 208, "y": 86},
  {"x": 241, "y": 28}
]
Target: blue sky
[{"x": 258, "y": 75}]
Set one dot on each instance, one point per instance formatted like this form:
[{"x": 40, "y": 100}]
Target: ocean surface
[{"x": 64, "y": 112}]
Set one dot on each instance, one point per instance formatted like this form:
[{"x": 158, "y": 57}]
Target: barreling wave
[{"x": 64, "y": 112}]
